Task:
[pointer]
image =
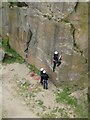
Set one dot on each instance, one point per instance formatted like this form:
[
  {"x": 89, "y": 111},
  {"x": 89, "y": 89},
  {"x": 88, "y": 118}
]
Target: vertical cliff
[{"x": 36, "y": 30}]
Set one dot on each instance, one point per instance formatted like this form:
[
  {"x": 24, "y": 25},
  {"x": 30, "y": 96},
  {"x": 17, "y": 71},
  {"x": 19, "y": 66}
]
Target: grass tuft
[
  {"x": 10, "y": 55},
  {"x": 33, "y": 68},
  {"x": 40, "y": 103},
  {"x": 64, "y": 97}
]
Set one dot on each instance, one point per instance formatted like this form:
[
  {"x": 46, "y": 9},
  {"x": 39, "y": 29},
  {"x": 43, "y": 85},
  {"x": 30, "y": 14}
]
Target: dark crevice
[
  {"x": 22, "y": 4},
  {"x": 51, "y": 17},
  {"x": 73, "y": 29},
  {"x": 76, "y": 46},
  {"x": 29, "y": 37},
  {"x": 18, "y": 4},
  {"x": 75, "y": 8}
]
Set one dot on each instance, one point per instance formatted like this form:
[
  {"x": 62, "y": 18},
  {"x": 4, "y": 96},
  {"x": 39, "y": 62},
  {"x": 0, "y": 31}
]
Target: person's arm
[
  {"x": 40, "y": 73},
  {"x": 47, "y": 76},
  {"x": 60, "y": 57},
  {"x": 53, "y": 58}
]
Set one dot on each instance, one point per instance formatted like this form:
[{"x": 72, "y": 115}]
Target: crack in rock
[{"x": 29, "y": 38}]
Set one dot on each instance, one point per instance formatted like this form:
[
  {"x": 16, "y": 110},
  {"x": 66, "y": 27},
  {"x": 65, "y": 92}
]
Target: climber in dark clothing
[
  {"x": 56, "y": 60},
  {"x": 45, "y": 80},
  {"x": 41, "y": 73}
]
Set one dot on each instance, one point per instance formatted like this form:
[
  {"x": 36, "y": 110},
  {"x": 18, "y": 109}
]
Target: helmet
[
  {"x": 44, "y": 71},
  {"x": 55, "y": 52},
  {"x": 41, "y": 69}
]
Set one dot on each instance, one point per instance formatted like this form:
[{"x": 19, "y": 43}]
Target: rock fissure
[
  {"x": 18, "y": 4},
  {"x": 29, "y": 38},
  {"x": 76, "y": 47},
  {"x": 75, "y": 8},
  {"x": 52, "y": 16}
]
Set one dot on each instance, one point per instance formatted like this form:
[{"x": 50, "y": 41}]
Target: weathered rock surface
[
  {"x": 40, "y": 29},
  {"x": 2, "y": 53},
  {"x": 1, "y": 19}
]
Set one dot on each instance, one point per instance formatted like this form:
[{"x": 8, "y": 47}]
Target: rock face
[{"x": 36, "y": 31}]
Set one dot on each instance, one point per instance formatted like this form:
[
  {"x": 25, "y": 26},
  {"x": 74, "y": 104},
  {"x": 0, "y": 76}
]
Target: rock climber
[
  {"x": 41, "y": 72},
  {"x": 56, "y": 60},
  {"x": 45, "y": 80}
]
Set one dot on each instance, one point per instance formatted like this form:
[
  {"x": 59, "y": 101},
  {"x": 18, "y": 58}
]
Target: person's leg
[
  {"x": 44, "y": 84},
  {"x": 58, "y": 63},
  {"x": 54, "y": 66},
  {"x": 47, "y": 84},
  {"x": 41, "y": 80}
]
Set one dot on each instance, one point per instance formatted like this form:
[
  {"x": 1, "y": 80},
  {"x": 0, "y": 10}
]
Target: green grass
[
  {"x": 12, "y": 55},
  {"x": 33, "y": 68},
  {"x": 56, "y": 110},
  {"x": 48, "y": 16},
  {"x": 62, "y": 112},
  {"x": 49, "y": 115},
  {"x": 65, "y": 20},
  {"x": 24, "y": 86},
  {"x": 40, "y": 103},
  {"x": 31, "y": 95},
  {"x": 81, "y": 111},
  {"x": 64, "y": 97}
]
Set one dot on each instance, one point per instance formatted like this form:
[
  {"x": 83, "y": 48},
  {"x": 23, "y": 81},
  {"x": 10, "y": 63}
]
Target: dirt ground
[
  {"x": 30, "y": 102},
  {"x": 13, "y": 107}
]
